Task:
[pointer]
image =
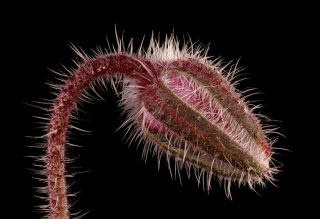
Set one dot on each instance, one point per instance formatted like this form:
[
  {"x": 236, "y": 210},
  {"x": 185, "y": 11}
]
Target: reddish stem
[{"x": 66, "y": 101}]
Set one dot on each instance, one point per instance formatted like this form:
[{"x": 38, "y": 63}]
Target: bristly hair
[{"x": 138, "y": 118}]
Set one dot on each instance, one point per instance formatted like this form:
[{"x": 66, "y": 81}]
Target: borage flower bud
[
  {"x": 179, "y": 103},
  {"x": 193, "y": 114}
]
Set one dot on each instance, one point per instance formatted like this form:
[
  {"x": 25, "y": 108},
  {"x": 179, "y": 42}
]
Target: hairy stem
[{"x": 66, "y": 101}]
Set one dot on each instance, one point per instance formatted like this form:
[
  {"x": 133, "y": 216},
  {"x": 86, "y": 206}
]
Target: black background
[{"x": 272, "y": 42}]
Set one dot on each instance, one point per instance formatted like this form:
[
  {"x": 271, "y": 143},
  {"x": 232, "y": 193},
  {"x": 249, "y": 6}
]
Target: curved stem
[{"x": 66, "y": 101}]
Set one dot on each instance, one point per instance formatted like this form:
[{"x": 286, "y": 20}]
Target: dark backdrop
[{"x": 270, "y": 41}]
